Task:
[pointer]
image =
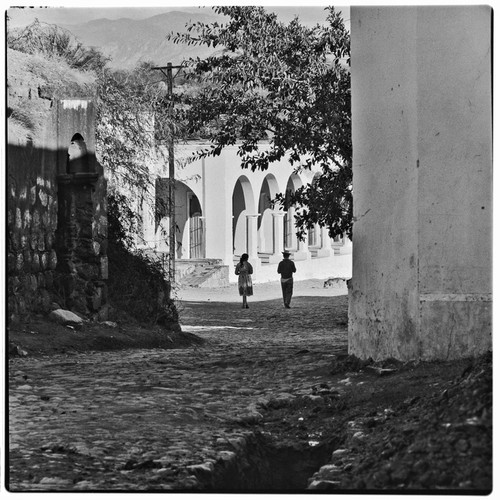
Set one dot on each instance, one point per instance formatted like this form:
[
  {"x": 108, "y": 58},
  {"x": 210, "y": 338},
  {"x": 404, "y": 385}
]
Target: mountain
[{"x": 129, "y": 41}]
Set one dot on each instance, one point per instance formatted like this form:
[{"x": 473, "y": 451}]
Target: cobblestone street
[{"x": 165, "y": 419}]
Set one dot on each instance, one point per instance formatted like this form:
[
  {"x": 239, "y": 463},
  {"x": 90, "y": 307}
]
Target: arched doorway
[
  {"x": 78, "y": 160},
  {"x": 189, "y": 227},
  {"x": 314, "y": 236},
  {"x": 242, "y": 206},
  {"x": 196, "y": 229},
  {"x": 265, "y": 224}
]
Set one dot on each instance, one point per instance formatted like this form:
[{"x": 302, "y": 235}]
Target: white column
[
  {"x": 325, "y": 248},
  {"x": 252, "y": 235},
  {"x": 302, "y": 253},
  {"x": 278, "y": 236}
]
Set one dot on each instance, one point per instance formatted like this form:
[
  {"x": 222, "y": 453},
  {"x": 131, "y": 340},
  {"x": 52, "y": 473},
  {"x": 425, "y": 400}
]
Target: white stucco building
[
  {"x": 223, "y": 211},
  {"x": 422, "y": 182}
]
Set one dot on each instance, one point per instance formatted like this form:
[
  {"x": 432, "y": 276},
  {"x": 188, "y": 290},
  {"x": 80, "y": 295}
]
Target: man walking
[{"x": 286, "y": 268}]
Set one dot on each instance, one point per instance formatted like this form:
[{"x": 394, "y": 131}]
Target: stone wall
[
  {"x": 422, "y": 170},
  {"x": 40, "y": 168}
]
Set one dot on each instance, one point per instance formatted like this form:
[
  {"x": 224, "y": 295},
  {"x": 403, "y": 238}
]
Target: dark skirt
[{"x": 245, "y": 284}]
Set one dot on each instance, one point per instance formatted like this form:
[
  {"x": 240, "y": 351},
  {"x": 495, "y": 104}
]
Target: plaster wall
[{"x": 422, "y": 169}]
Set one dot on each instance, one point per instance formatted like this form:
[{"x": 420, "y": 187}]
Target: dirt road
[
  {"x": 169, "y": 419},
  {"x": 269, "y": 402}
]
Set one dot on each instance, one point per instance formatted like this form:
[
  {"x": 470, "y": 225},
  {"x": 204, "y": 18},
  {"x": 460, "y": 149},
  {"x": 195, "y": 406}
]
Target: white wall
[
  {"x": 213, "y": 180},
  {"x": 422, "y": 167}
]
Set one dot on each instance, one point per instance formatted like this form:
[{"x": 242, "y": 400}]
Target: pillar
[
  {"x": 302, "y": 252},
  {"x": 278, "y": 236},
  {"x": 252, "y": 235},
  {"x": 325, "y": 248},
  {"x": 81, "y": 269}
]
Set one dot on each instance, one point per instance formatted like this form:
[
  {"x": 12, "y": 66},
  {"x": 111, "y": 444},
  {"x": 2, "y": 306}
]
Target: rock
[
  {"x": 203, "y": 472},
  {"x": 359, "y": 435},
  {"x": 64, "y": 317},
  {"x": 339, "y": 452},
  {"x": 381, "y": 371},
  {"x": 54, "y": 481},
  {"x": 314, "y": 397},
  {"x": 24, "y": 388},
  {"x": 190, "y": 483},
  {"x": 226, "y": 456},
  {"x": 110, "y": 324},
  {"x": 462, "y": 445},
  {"x": 249, "y": 418},
  {"x": 330, "y": 469},
  {"x": 323, "y": 485},
  {"x": 15, "y": 350},
  {"x": 84, "y": 485},
  {"x": 237, "y": 443}
]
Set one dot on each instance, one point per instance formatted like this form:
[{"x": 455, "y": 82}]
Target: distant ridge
[{"x": 129, "y": 41}]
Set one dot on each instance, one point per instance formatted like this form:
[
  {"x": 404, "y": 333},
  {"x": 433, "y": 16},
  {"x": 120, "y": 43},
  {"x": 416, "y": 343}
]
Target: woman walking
[{"x": 244, "y": 269}]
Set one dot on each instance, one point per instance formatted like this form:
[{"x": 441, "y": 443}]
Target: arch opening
[
  {"x": 189, "y": 225},
  {"x": 265, "y": 224},
  {"x": 242, "y": 205},
  {"x": 77, "y": 159}
]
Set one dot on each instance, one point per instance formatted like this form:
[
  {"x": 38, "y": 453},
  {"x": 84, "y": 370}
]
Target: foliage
[
  {"x": 284, "y": 83},
  {"x": 133, "y": 124},
  {"x": 138, "y": 283},
  {"x": 122, "y": 220},
  {"x": 55, "y": 42}
]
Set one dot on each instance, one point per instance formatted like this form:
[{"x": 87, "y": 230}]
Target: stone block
[
  {"x": 11, "y": 262},
  {"x": 19, "y": 262},
  {"x": 52, "y": 260},
  {"x": 19, "y": 219},
  {"x": 88, "y": 271},
  {"x": 40, "y": 246},
  {"x": 26, "y": 219},
  {"x": 27, "y": 260},
  {"x": 32, "y": 195},
  {"x": 49, "y": 240},
  {"x": 35, "y": 263},
  {"x": 44, "y": 197},
  {"x": 44, "y": 260},
  {"x": 64, "y": 317},
  {"x": 104, "y": 268},
  {"x": 103, "y": 313},
  {"x": 95, "y": 299}
]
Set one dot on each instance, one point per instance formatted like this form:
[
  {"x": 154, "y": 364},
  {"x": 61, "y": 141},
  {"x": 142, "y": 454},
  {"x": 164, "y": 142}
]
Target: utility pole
[{"x": 167, "y": 71}]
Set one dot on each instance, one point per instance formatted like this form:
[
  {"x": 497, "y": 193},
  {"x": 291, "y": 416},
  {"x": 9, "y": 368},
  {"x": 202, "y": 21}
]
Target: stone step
[{"x": 214, "y": 275}]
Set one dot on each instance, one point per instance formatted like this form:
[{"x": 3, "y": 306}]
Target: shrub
[
  {"x": 137, "y": 284},
  {"x": 55, "y": 42}
]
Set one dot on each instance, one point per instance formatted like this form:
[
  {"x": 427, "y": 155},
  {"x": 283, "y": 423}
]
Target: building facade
[
  {"x": 223, "y": 211},
  {"x": 422, "y": 182}
]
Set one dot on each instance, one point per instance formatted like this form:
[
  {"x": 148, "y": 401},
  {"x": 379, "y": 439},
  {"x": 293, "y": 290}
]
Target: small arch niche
[{"x": 78, "y": 160}]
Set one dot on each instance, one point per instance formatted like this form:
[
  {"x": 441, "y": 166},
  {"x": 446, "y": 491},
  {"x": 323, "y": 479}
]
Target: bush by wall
[{"x": 137, "y": 284}]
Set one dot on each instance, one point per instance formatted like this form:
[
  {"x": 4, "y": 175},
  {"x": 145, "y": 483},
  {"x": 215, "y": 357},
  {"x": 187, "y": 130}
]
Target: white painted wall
[
  {"x": 213, "y": 180},
  {"x": 422, "y": 243}
]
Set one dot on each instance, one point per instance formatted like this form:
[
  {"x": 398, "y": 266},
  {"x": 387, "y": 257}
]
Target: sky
[{"x": 66, "y": 14}]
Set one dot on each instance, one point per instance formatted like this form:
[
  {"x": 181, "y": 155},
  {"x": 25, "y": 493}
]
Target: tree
[
  {"x": 128, "y": 102},
  {"x": 285, "y": 83}
]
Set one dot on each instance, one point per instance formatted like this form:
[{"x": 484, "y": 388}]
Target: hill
[{"x": 129, "y": 41}]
